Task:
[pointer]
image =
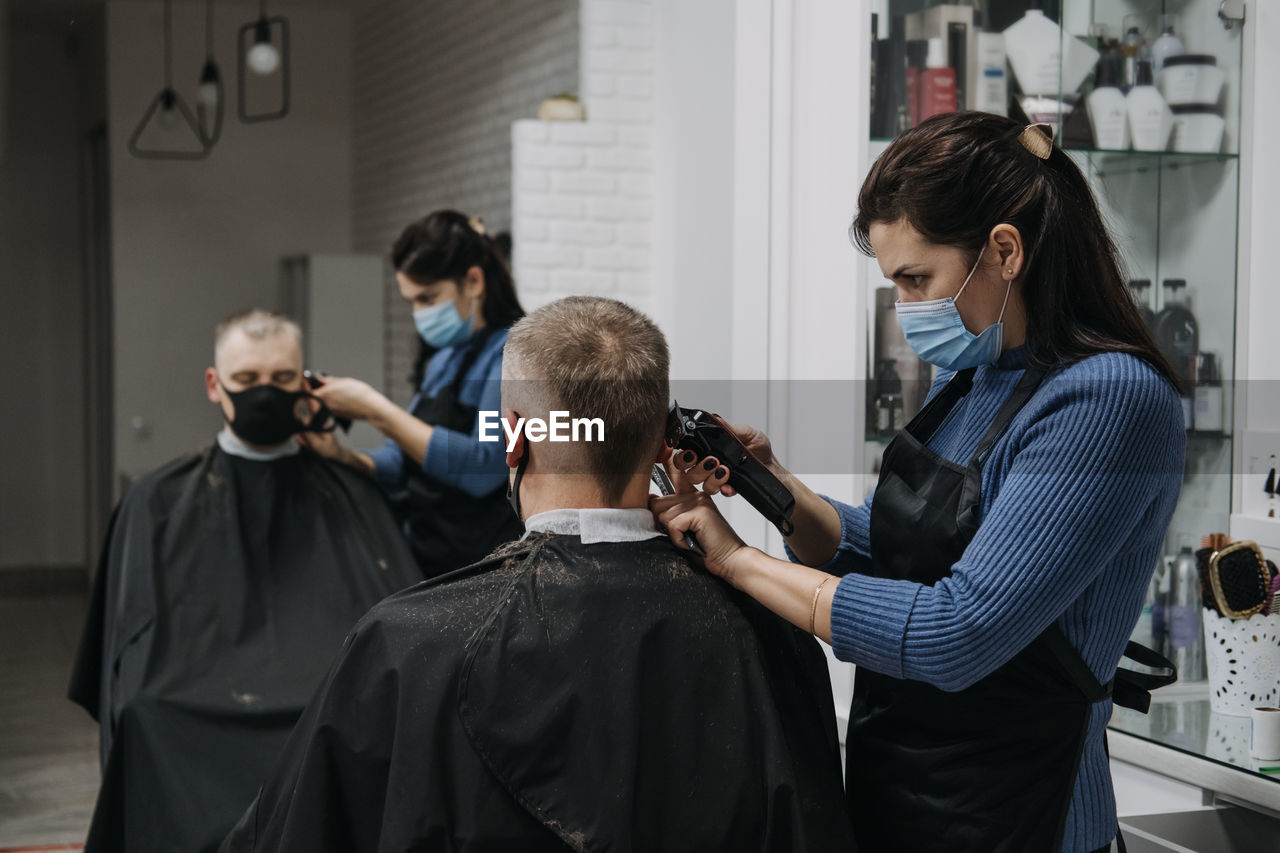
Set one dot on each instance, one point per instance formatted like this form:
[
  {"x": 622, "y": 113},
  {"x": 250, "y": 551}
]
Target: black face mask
[{"x": 267, "y": 415}]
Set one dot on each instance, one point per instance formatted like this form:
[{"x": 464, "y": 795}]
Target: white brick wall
[
  {"x": 583, "y": 191},
  {"x": 436, "y": 87}
]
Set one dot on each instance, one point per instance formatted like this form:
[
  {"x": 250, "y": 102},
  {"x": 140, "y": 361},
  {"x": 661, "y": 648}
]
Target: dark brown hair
[
  {"x": 956, "y": 176},
  {"x": 444, "y": 245}
]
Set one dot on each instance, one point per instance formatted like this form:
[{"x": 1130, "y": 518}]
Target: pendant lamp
[
  {"x": 263, "y": 52},
  {"x": 210, "y": 97},
  {"x": 170, "y": 113}
]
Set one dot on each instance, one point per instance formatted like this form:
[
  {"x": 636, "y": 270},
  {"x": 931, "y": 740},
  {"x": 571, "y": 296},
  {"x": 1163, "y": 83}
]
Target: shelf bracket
[{"x": 1231, "y": 12}]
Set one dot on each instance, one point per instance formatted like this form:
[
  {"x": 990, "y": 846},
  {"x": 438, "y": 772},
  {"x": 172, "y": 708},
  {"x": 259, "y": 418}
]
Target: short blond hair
[
  {"x": 597, "y": 358},
  {"x": 257, "y": 324}
]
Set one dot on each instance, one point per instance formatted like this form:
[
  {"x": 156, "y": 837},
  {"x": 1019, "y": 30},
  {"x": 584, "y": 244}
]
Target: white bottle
[
  {"x": 1150, "y": 119},
  {"x": 991, "y": 89},
  {"x": 1045, "y": 61},
  {"x": 1209, "y": 413},
  {"x": 1108, "y": 109},
  {"x": 1166, "y": 46}
]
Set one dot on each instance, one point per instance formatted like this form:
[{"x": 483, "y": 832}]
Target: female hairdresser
[
  {"x": 987, "y": 589},
  {"x": 450, "y": 486}
]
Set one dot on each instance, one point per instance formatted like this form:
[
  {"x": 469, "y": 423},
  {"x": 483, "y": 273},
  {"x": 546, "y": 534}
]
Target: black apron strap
[
  {"x": 1133, "y": 689},
  {"x": 1069, "y": 658},
  {"x": 926, "y": 423},
  {"x": 1129, "y": 689},
  {"x": 1106, "y": 747},
  {"x": 1027, "y": 385}
]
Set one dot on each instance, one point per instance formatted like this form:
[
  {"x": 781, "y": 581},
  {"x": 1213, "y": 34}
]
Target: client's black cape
[
  {"x": 224, "y": 590},
  {"x": 563, "y": 696}
]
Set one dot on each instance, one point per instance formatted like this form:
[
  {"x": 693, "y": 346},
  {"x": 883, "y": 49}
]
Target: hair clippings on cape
[
  {"x": 1038, "y": 139},
  {"x": 477, "y": 225}
]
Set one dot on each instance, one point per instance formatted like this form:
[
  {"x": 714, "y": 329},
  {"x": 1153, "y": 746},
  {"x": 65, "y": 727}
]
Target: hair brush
[{"x": 1240, "y": 579}]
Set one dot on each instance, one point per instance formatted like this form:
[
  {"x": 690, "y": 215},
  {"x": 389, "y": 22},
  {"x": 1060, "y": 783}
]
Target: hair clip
[
  {"x": 1038, "y": 139},
  {"x": 477, "y": 225}
]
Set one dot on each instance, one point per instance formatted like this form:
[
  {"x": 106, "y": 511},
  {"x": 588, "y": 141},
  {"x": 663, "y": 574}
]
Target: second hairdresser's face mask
[
  {"x": 441, "y": 325},
  {"x": 936, "y": 331}
]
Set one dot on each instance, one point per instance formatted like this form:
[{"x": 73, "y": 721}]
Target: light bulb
[
  {"x": 208, "y": 94},
  {"x": 208, "y": 91},
  {"x": 263, "y": 57}
]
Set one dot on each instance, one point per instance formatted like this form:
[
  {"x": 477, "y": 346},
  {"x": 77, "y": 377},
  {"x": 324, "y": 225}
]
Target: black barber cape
[
  {"x": 225, "y": 588},
  {"x": 561, "y": 696}
]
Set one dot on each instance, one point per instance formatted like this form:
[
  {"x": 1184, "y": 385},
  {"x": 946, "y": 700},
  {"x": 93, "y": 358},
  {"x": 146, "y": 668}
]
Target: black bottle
[
  {"x": 890, "y": 114},
  {"x": 1141, "y": 288},
  {"x": 889, "y": 412},
  {"x": 1178, "y": 335}
]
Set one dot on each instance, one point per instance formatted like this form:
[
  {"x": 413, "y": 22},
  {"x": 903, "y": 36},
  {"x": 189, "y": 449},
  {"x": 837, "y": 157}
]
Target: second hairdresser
[{"x": 449, "y": 486}]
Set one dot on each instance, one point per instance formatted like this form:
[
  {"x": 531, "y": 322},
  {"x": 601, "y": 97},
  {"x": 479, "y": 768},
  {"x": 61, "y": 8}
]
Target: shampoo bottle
[
  {"x": 1150, "y": 119},
  {"x": 1141, "y": 288},
  {"x": 1167, "y": 45},
  {"x": 1209, "y": 414},
  {"x": 937, "y": 83},
  {"x": 991, "y": 89},
  {"x": 1107, "y": 107},
  {"x": 1184, "y": 642},
  {"x": 1045, "y": 61},
  {"x": 1178, "y": 335},
  {"x": 1131, "y": 46}
]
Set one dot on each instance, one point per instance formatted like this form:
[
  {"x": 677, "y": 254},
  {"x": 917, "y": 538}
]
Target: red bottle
[{"x": 937, "y": 83}]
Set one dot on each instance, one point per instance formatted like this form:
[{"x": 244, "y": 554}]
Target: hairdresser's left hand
[
  {"x": 351, "y": 398},
  {"x": 693, "y": 511}
]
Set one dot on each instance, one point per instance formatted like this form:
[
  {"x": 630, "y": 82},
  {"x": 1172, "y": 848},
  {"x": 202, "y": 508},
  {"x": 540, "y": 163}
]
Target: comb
[
  {"x": 1240, "y": 579},
  {"x": 1272, "y": 606},
  {"x": 1202, "y": 571}
]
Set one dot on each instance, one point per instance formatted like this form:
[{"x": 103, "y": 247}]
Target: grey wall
[
  {"x": 41, "y": 386},
  {"x": 436, "y": 87},
  {"x": 195, "y": 241}
]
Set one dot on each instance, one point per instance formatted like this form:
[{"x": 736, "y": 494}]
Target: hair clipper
[
  {"x": 316, "y": 380},
  {"x": 707, "y": 434}
]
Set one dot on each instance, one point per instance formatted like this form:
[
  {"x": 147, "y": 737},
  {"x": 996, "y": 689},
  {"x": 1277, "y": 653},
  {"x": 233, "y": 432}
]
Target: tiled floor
[{"x": 48, "y": 746}]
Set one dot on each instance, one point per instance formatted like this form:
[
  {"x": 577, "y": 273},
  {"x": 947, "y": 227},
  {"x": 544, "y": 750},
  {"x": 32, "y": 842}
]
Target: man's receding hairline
[{"x": 256, "y": 325}]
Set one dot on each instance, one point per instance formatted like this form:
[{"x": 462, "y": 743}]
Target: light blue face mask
[
  {"x": 935, "y": 330},
  {"x": 441, "y": 326}
]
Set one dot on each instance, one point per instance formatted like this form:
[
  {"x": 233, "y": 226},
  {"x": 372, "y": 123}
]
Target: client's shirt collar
[
  {"x": 595, "y": 525},
  {"x": 231, "y": 443}
]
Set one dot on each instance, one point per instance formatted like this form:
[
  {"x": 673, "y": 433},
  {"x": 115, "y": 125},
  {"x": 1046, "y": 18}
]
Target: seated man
[
  {"x": 586, "y": 687},
  {"x": 226, "y": 584}
]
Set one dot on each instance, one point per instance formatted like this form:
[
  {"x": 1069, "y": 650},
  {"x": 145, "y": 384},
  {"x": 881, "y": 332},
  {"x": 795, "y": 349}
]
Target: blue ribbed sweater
[{"x": 1076, "y": 498}]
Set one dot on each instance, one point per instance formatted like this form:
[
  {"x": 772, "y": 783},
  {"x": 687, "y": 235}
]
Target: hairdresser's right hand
[{"x": 706, "y": 473}]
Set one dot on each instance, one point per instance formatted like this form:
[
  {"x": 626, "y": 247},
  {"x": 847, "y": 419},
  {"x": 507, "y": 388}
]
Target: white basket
[{"x": 1243, "y": 659}]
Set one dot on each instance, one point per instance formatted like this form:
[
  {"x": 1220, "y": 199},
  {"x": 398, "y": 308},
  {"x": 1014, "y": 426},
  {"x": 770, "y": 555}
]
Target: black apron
[
  {"x": 989, "y": 768},
  {"x": 447, "y": 527}
]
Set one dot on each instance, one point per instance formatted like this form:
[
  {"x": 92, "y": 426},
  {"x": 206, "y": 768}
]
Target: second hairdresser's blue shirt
[{"x": 458, "y": 459}]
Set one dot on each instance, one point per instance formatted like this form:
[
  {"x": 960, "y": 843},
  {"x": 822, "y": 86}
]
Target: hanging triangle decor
[{"x": 168, "y": 118}]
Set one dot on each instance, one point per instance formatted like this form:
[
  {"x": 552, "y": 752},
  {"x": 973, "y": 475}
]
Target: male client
[
  {"x": 227, "y": 583},
  {"x": 585, "y": 688}
]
